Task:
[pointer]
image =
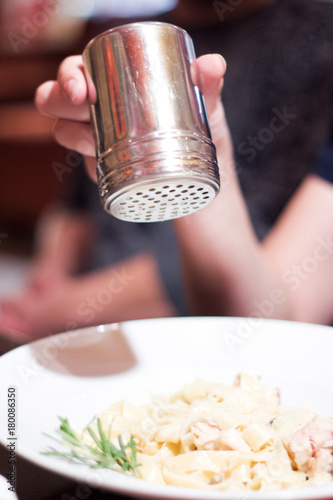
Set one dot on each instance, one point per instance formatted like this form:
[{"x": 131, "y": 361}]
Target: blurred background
[{"x": 35, "y": 35}]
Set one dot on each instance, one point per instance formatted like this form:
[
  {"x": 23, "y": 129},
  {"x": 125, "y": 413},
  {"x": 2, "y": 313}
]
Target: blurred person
[
  {"x": 274, "y": 211},
  {"x": 91, "y": 268}
]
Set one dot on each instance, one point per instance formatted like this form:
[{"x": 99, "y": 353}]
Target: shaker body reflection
[{"x": 156, "y": 160}]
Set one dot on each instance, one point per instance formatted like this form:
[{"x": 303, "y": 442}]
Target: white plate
[
  {"x": 77, "y": 374},
  {"x": 5, "y": 494}
]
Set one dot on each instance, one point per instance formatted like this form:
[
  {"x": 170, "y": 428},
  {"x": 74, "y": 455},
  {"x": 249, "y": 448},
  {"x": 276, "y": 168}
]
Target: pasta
[{"x": 219, "y": 437}]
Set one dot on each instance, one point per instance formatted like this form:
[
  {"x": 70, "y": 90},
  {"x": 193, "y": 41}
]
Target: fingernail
[
  {"x": 194, "y": 72},
  {"x": 72, "y": 88},
  {"x": 223, "y": 61}
]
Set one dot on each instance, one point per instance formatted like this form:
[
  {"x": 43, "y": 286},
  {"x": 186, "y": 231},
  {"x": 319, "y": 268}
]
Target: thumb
[{"x": 207, "y": 73}]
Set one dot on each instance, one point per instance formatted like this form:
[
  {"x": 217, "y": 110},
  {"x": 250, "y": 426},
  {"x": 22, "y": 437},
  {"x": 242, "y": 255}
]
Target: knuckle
[
  {"x": 41, "y": 96},
  {"x": 68, "y": 66}
]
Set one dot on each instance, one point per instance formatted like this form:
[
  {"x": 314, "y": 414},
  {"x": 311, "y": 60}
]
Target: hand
[
  {"x": 208, "y": 74},
  {"x": 36, "y": 313},
  {"x": 67, "y": 100},
  {"x": 44, "y": 276}
]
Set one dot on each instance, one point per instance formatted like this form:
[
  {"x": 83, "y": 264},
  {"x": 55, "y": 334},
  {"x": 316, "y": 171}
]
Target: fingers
[
  {"x": 72, "y": 80},
  {"x": 67, "y": 97},
  {"x": 76, "y": 136},
  {"x": 91, "y": 163},
  {"x": 51, "y": 100},
  {"x": 67, "y": 100}
]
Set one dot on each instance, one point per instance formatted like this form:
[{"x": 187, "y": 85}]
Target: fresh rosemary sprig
[{"x": 105, "y": 455}]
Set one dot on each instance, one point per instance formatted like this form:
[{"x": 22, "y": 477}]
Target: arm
[
  {"x": 229, "y": 271},
  {"x": 300, "y": 248},
  {"x": 288, "y": 275},
  {"x": 130, "y": 290},
  {"x": 62, "y": 240}
]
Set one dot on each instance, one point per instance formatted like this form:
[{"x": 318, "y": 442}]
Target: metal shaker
[{"x": 156, "y": 160}]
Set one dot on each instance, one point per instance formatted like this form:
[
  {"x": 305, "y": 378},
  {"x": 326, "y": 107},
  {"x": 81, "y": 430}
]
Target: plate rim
[{"x": 172, "y": 492}]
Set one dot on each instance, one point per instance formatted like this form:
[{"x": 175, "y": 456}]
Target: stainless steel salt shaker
[{"x": 156, "y": 160}]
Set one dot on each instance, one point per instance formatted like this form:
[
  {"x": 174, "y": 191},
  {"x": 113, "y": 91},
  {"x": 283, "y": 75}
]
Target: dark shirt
[
  {"x": 324, "y": 162},
  {"x": 278, "y": 97}
]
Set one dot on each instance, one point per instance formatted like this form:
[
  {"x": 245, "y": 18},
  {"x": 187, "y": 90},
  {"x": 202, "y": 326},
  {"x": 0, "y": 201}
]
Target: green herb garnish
[{"x": 105, "y": 455}]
